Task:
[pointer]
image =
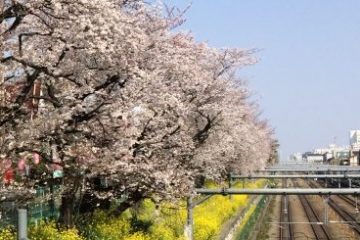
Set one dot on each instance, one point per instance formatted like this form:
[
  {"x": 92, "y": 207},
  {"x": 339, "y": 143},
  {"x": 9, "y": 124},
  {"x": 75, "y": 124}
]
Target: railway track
[
  {"x": 345, "y": 198},
  {"x": 286, "y": 230},
  {"x": 345, "y": 215},
  {"x": 348, "y": 200},
  {"x": 320, "y": 231},
  {"x": 349, "y": 218}
]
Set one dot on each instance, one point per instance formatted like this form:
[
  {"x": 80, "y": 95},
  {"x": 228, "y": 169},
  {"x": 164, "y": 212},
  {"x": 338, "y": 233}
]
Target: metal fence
[{"x": 44, "y": 208}]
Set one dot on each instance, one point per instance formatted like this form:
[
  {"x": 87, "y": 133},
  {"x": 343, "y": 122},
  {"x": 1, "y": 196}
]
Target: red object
[{"x": 9, "y": 176}]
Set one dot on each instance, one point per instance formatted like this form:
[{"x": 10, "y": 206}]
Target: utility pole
[
  {"x": 190, "y": 219},
  {"x": 230, "y": 179},
  {"x": 326, "y": 210},
  {"x": 230, "y": 182},
  {"x": 22, "y": 224}
]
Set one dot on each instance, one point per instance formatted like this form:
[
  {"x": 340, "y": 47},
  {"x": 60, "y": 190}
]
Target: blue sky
[{"x": 308, "y": 77}]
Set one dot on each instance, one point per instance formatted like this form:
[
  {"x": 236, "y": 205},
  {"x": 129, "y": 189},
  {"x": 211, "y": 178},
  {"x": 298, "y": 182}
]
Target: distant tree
[
  {"x": 274, "y": 156},
  {"x": 104, "y": 88}
]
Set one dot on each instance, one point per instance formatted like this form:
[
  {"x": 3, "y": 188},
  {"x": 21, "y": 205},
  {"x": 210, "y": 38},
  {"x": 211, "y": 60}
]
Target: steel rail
[
  {"x": 345, "y": 198},
  {"x": 307, "y": 167},
  {"x": 311, "y": 166},
  {"x": 279, "y": 191},
  {"x": 292, "y": 176},
  {"x": 327, "y": 170},
  {"x": 286, "y": 229},
  {"x": 345, "y": 215},
  {"x": 320, "y": 231},
  {"x": 348, "y": 200},
  {"x": 351, "y": 220}
]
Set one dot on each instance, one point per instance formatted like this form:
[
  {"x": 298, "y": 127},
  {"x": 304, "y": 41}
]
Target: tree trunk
[{"x": 67, "y": 210}]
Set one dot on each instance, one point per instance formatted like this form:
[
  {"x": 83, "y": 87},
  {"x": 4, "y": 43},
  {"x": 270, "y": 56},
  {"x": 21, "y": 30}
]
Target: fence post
[
  {"x": 326, "y": 210},
  {"x": 190, "y": 220},
  {"x": 22, "y": 224},
  {"x": 230, "y": 183}
]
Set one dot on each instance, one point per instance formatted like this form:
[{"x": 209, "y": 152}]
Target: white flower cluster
[{"x": 124, "y": 97}]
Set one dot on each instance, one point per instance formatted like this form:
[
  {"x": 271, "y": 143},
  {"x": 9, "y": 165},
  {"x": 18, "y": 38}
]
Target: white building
[
  {"x": 355, "y": 140},
  {"x": 334, "y": 154},
  {"x": 321, "y": 150},
  {"x": 354, "y": 147},
  {"x": 313, "y": 158}
]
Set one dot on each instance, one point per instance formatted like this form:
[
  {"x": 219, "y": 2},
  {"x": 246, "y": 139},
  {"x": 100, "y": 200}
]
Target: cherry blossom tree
[{"x": 106, "y": 88}]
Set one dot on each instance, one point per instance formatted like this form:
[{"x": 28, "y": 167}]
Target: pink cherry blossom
[{"x": 108, "y": 88}]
